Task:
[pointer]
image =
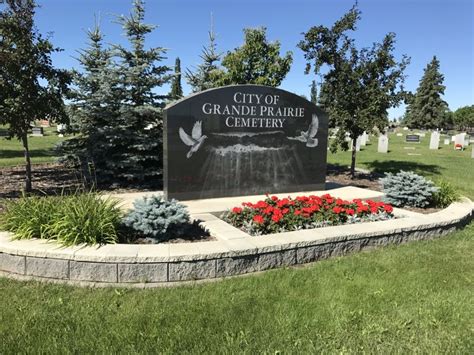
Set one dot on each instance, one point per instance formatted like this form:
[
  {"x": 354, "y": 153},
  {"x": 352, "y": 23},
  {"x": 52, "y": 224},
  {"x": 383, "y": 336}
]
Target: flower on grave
[{"x": 258, "y": 219}]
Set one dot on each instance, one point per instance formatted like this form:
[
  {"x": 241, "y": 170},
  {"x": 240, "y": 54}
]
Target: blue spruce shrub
[
  {"x": 408, "y": 189},
  {"x": 155, "y": 217}
]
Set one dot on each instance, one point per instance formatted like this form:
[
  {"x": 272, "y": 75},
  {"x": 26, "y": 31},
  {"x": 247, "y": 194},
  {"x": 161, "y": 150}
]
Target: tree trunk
[
  {"x": 353, "y": 161},
  {"x": 24, "y": 140}
]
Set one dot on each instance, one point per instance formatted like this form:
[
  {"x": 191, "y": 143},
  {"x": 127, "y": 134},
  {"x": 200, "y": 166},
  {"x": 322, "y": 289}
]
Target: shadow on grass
[
  {"x": 393, "y": 166},
  {"x": 34, "y": 153}
]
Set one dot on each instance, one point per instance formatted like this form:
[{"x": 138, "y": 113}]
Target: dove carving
[
  {"x": 195, "y": 140},
  {"x": 308, "y": 136}
]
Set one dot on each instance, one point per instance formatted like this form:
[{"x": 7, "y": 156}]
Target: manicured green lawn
[
  {"x": 454, "y": 166},
  {"x": 41, "y": 149},
  {"x": 399, "y": 299}
]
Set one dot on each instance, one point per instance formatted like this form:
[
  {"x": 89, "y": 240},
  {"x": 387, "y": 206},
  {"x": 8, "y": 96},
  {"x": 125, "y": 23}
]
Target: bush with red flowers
[{"x": 275, "y": 215}]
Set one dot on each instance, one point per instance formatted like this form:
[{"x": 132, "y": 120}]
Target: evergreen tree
[
  {"x": 314, "y": 92},
  {"x": 257, "y": 61},
  {"x": 359, "y": 85},
  {"x": 137, "y": 156},
  {"x": 176, "y": 88},
  {"x": 95, "y": 109},
  {"x": 428, "y": 109},
  {"x": 208, "y": 74},
  {"x": 30, "y": 87}
]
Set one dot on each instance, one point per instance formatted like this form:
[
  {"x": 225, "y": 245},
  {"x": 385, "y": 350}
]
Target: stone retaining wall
[{"x": 229, "y": 256}]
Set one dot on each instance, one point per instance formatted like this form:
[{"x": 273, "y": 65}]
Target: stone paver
[
  {"x": 47, "y": 267},
  {"x": 156, "y": 272}
]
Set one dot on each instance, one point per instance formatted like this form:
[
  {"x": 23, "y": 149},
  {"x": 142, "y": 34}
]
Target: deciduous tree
[
  {"x": 31, "y": 88},
  {"x": 359, "y": 85},
  {"x": 257, "y": 61},
  {"x": 464, "y": 117}
]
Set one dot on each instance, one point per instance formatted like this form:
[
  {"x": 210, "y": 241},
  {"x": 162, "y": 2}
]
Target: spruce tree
[
  {"x": 314, "y": 92},
  {"x": 428, "y": 109},
  {"x": 137, "y": 156},
  {"x": 176, "y": 88},
  {"x": 208, "y": 73},
  {"x": 95, "y": 109},
  {"x": 30, "y": 87}
]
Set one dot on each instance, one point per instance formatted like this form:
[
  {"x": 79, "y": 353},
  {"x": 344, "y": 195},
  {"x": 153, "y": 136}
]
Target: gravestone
[
  {"x": 434, "y": 140},
  {"x": 412, "y": 138},
  {"x": 383, "y": 144},
  {"x": 472, "y": 153},
  {"x": 358, "y": 143},
  {"x": 446, "y": 141},
  {"x": 459, "y": 141},
  {"x": 37, "y": 131},
  {"x": 363, "y": 139},
  {"x": 243, "y": 140},
  {"x": 349, "y": 142},
  {"x": 61, "y": 128},
  {"x": 399, "y": 134}
]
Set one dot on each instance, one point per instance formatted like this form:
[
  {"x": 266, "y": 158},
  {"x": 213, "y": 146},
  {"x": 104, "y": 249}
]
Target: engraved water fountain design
[{"x": 270, "y": 157}]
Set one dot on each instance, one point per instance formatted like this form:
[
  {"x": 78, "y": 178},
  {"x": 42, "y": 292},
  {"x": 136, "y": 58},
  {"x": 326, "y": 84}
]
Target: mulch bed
[
  {"x": 338, "y": 175},
  {"x": 53, "y": 179},
  {"x": 50, "y": 179}
]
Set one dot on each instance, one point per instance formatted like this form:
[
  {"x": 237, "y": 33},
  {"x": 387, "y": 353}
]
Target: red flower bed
[{"x": 275, "y": 215}]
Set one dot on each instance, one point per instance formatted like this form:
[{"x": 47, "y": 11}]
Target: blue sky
[{"x": 424, "y": 28}]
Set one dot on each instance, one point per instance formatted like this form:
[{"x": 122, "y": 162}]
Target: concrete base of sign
[
  {"x": 223, "y": 203},
  {"x": 233, "y": 253}
]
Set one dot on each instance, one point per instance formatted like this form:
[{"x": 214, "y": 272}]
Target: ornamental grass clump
[
  {"x": 70, "y": 220},
  {"x": 275, "y": 215},
  {"x": 157, "y": 218},
  {"x": 27, "y": 217},
  {"x": 446, "y": 194},
  {"x": 408, "y": 189},
  {"x": 86, "y": 218}
]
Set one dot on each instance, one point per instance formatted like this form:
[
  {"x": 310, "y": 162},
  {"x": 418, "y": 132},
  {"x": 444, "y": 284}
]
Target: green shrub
[
  {"x": 71, "y": 220},
  {"x": 445, "y": 195},
  {"x": 155, "y": 217},
  {"x": 408, "y": 189}
]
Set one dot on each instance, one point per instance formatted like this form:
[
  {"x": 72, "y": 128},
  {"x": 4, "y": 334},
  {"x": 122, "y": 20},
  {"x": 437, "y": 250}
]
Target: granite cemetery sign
[{"x": 243, "y": 140}]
